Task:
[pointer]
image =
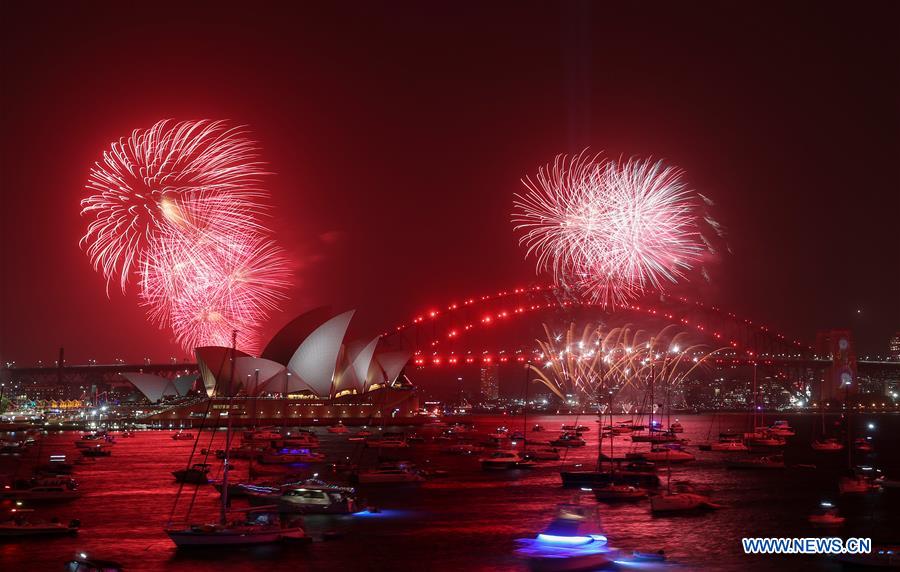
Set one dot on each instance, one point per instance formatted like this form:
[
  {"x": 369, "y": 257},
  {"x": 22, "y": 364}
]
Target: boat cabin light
[
  {"x": 826, "y": 504},
  {"x": 570, "y": 540}
]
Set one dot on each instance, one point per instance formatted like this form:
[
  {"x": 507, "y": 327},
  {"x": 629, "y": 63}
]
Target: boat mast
[
  {"x": 222, "y": 514},
  {"x": 525, "y": 410}
]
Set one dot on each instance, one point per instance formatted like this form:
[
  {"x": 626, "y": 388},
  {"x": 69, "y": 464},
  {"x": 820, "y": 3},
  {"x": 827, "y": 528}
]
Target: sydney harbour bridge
[{"x": 501, "y": 330}]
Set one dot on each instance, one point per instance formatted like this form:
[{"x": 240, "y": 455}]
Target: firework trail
[
  {"x": 178, "y": 207},
  {"x": 611, "y": 229}
]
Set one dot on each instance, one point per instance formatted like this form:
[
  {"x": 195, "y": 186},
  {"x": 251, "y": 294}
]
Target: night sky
[{"x": 399, "y": 132}]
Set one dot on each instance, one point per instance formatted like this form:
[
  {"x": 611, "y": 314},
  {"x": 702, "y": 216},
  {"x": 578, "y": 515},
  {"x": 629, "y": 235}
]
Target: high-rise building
[
  {"x": 894, "y": 347},
  {"x": 490, "y": 382}
]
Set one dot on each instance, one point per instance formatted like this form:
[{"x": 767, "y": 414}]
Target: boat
[
  {"x": 503, "y": 460},
  {"x": 85, "y": 564},
  {"x": 196, "y": 474},
  {"x": 568, "y": 440},
  {"x": 763, "y": 438},
  {"x": 42, "y": 489},
  {"x": 338, "y": 428},
  {"x": 764, "y": 463},
  {"x": 729, "y": 443},
  {"x": 829, "y": 445},
  {"x": 302, "y": 438},
  {"x": 288, "y": 455},
  {"x": 364, "y": 433},
  {"x": 461, "y": 449},
  {"x": 680, "y": 502},
  {"x": 575, "y": 428},
  {"x": 183, "y": 436},
  {"x": 266, "y": 434},
  {"x": 676, "y": 427},
  {"x": 856, "y": 484},
  {"x": 658, "y": 556},
  {"x": 782, "y": 428},
  {"x": 311, "y": 496},
  {"x": 538, "y": 428},
  {"x": 387, "y": 443},
  {"x": 613, "y": 493},
  {"x": 572, "y": 541},
  {"x": 126, "y": 434},
  {"x": 541, "y": 453},
  {"x": 619, "y": 475},
  {"x": 388, "y": 473},
  {"x": 18, "y": 526},
  {"x": 659, "y": 438},
  {"x": 826, "y": 515},
  {"x": 862, "y": 445},
  {"x": 667, "y": 454},
  {"x": 98, "y": 450},
  {"x": 258, "y": 525}
]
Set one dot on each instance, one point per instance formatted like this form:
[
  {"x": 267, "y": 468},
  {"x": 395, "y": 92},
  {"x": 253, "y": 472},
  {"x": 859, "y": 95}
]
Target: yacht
[
  {"x": 183, "y": 436},
  {"x": 572, "y": 541},
  {"x": 575, "y": 428},
  {"x": 856, "y": 484},
  {"x": 256, "y": 525},
  {"x": 862, "y": 445},
  {"x": 196, "y": 474},
  {"x": 262, "y": 435},
  {"x": 663, "y": 454},
  {"x": 541, "y": 453},
  {"x": 763, "y": 438},
  {"x": 338, "y": 428},
  {"x": 680, "y": 502},
  {"x": 568, "y": 440},
  {"x": 613, "y": 493},
  {"x": 389, "y": 473},
  {"x": 42, "y": 489},
  {"x": 307, "y": 497},
  {"x": 782, "y": 428},
  {"x": 827, "y": 515},
  {"x": 676, "y": 427},
  {"x": 18, "y": 526},
  {"x": 503, "y": 460},
  {"x": 764, "y": 463},
  {"x": 288, "y": 455},
  {"x": 829, "y": 445},
  {"x": 98, "y": 450},
  {"x": 729, "y": 443}
]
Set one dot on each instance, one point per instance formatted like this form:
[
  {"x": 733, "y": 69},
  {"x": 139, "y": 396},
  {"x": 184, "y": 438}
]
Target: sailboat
[{"x": 256, "y": 525}]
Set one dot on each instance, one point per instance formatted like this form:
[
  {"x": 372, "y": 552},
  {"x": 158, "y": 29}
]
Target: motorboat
[
  {"x": 764, "y": 438},
  {"x": 98, "y": 450},
  {"x": 303, "y": 438},
  {"x": 503, "y": 460},
  {"x": 541, "y": 453},
  {"x": 856, "y": 484},
  {"x": 658, "y": 438},
  {"x": 572, "y": 541},
  {"x": 389, "y": 473},
  {"x": 538, "y": 428},
  {"x": 183, "y": 436},
  {"x": 19, "y": 526},
  {"x": 658, "y": 556},
  {"x": 666, "y": 454},
  {"x": 676, "y": 427},
  {"x": 196, "y": 474},
  {"x": 307, "y": 497},
  {"x": 826, "y": 515},
  {"x": 728, "y": 443},
  {"x": 339, "y": 428},
  {"x": 42, "y": 490},
  {"x": 680, "y": 502},
  {"x": 614, "y": 493},
  {"x": 568, "y": 440},
  {"x": 248, "y": 450},
  {"x": 257, "y": 525},
  {"x": 763, "y": 463},
  {"x": 829, "y": 445},
  {"x": 288, "y": 455},
  {"x": 862, "y": 445},
  {"x": 262, "y": 435},
  {"x": 782, "y": 428},
  {"x": 364, "y": 433},
  {"x": 85, "y": 564},
  {"x": 575, "y": 428}
]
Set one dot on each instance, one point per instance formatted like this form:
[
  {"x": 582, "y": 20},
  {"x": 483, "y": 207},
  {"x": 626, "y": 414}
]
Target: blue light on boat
[{"x": 570, "y": 540}]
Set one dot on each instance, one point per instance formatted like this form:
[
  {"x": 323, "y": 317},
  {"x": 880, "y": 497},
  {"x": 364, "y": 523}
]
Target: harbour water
[{"x": 470, "y": 518}]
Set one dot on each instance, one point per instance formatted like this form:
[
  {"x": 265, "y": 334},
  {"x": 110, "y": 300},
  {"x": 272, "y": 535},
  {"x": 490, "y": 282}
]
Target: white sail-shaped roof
[
  {"x": 214, "y": 363},
  {"x": 315, "y": 360},
  {"x": 359, "y": 359},
  {"x": 257, "y": 375},
  {"x": 392, "y": 363},
  {"x": 184, "y": 383},
  {"x": 153, "y": 387}
]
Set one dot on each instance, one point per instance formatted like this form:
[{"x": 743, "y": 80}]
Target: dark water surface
[{"x": 469, "y": 520}]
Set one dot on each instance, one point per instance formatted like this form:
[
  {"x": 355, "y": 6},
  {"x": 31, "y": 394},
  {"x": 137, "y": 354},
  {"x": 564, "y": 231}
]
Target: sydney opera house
[{"x": 308, "y": 374}]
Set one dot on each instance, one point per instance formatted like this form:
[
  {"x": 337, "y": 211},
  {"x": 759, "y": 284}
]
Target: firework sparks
[
  {"x": 594, "y": 362},
  {"x": 611, "y": 229},
  {"x": 178, "y": 205}
]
